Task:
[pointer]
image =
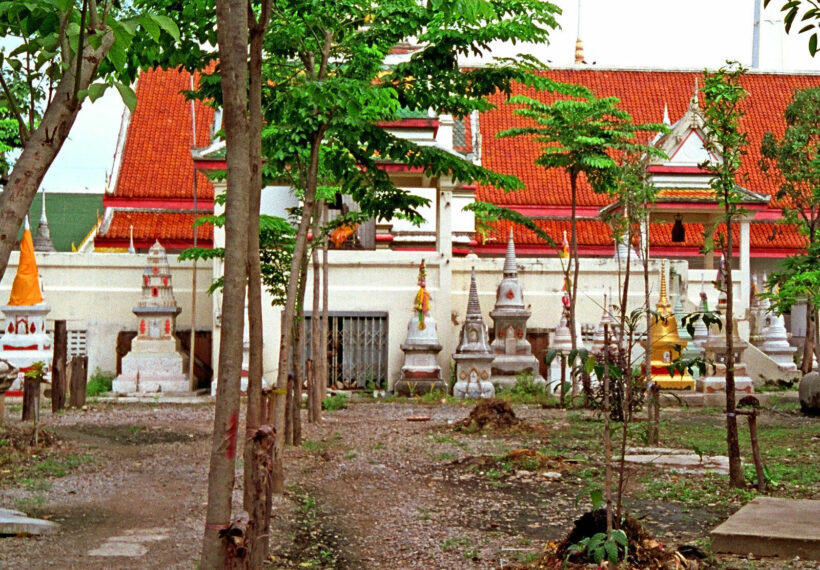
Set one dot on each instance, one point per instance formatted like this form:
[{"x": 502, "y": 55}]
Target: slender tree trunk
[
  {"x": 807, "y": 360},
  {"x": 316, "y": 349},
  {"x": 322, "y": 359},
  {"x": 573, "y": 264},
  {"x": 257, "y": 464},
  {"x": 232, "y": 31},
  {"x": 44, "y": 143},
  {"x": 289, "y": 311},
  {"x": 735, "y": 468},
  {"x": 298, "y": 350},
  {"x": 607, "y": 438}
]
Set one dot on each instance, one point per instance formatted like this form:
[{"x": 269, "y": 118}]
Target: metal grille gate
[{"x": 356, "y": 349}]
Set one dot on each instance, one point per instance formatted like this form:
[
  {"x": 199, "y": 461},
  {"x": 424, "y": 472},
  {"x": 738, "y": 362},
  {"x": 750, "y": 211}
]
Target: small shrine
[
  {"x": 512, "y": 350},
  {"x": 24, "y": 339},
  {"x": 716, "y": 352},
  {"x": 421, "y": 373},
  {"x": 473, "y": 356},
  {"x": 665, "y": 345},
  {"x": 776, "y": 342},
  {"x": 758, "y": 315},
  {"x": 561, "y": 342},
  {"x": 690, "y": 349},
  {"x": 155, "y": 363},
  {"x": 701, "y": 330},
  {"x": 42, "y": 238},
  {"x": 599, "y": 338}
]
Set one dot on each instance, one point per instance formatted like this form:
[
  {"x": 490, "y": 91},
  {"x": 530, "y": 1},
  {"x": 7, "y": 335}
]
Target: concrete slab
[
  {"x": 686, "y": 462},
  {"x": 772, "y": 527},
  {"x": 119, "y": 548},
  {"x": 673, "y": 398},
  {"x": 13, "y": 524}
]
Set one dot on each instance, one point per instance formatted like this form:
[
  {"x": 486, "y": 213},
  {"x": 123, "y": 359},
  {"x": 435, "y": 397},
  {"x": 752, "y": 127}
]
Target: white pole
[{"x": 192, "y": 353}]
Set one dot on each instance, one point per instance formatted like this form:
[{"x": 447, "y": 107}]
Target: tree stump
[
  {"x": 79, "y": 373},
  {"x": 58, "y": 366},
  {"x": 31, "y": 399}
]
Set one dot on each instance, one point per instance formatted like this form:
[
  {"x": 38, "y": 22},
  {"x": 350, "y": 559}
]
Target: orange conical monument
[{"x": 24, "y": 339}]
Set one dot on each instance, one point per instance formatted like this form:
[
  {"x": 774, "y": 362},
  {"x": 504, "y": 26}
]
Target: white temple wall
[
  {"x": 386, "y": 281},
  {"x": 95, "y": 292}
]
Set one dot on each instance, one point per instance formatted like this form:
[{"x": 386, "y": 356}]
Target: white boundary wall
[{"x": 95, "y": 292}]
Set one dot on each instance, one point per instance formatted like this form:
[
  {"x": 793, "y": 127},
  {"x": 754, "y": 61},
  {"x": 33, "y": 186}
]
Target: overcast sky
[{"x": 669, "y": 34}]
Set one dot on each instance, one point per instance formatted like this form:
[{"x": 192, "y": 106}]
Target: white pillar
[
  {"x": 744, "y": 266},
  {"x": 444, "y": 254}
]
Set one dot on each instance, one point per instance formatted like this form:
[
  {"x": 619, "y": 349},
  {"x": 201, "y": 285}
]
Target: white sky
[{"x": 669, "y": 34}]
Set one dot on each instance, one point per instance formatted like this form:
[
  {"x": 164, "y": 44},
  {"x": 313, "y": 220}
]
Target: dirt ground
[{"x": 369, "y": 489}]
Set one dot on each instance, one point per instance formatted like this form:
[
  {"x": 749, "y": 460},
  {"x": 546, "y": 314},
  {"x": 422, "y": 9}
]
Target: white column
[
  {"x": 744, "y": 267},
  {"x": 444, "y": 254}
]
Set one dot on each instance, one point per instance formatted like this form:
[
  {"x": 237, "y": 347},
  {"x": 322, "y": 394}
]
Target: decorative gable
[{"x": 685, "y": 145}]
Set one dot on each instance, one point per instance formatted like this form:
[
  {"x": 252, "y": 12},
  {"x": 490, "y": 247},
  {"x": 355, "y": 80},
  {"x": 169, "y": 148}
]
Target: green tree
[
  {"x": 722, "y": 108},
  {"x": 582, "y": 135},
  {"x": 64, "y": 51},
  {"x": 796, "y": 155}
]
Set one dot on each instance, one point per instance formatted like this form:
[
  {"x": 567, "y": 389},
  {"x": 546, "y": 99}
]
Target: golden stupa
[{"x": 665, "y": 345}]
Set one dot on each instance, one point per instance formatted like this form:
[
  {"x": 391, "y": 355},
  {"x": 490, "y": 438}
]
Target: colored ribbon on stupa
[
  {"x": 565, "y": 248},
  {"x": 422, "y": 302},
  {"x": 26, "y": 287}
]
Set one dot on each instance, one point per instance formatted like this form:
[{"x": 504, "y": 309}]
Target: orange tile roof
[
  {"x": 643, "y": 94},
  {"x": 156, "y": 159},
  {"x": 595, "y": 233},
  {"x": 173, "y": 229}
]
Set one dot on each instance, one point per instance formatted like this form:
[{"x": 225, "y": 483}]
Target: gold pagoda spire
[{"x": 664, "y": 307}]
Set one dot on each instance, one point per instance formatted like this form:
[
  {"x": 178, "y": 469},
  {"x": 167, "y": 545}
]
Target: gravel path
[{"x": 368, "y": 489}]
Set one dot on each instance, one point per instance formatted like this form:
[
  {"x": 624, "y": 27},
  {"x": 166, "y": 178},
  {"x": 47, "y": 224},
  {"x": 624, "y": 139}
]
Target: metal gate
[{"x": 356, "y": 349}]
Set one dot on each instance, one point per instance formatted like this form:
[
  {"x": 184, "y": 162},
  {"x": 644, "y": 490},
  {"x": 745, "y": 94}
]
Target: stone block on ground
[
  {"x": 12, "y": 524},
  {"x": 772, "y": 527},
  {"x": 809, "y": 391}
]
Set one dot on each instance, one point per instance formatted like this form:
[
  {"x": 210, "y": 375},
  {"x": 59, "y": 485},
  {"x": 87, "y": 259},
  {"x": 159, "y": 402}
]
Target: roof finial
[
  {"x": 666, "y": 120},
  {"x": 579, "y": 45},
  {"x": 131, "y": 243},
  {"x": 693, "y": 103}
]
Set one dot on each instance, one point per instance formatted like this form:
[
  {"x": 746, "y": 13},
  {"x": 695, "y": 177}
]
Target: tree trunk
[
  {"x": 44, "y": 143},
  {"x": 31, "y": 399},
  {"x": 58, "y": 367},
  {"x": 289, "y": 311},
  {"x": 323, "y": 361},
  {"x": 259, "y": 439},
  {"x": 807, "y": 360},
  {"x": 314, "y": 403},
  {"x": 607, "y": 437},
  {"x": 735, "y": 468},
  {"x": 79, "y": 379},
  {"x": 298, "y": 353},
  {"x": 232, "y": 34}
]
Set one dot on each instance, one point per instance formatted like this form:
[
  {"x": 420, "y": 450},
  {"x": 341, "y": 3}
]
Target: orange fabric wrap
[{"x": 26, "y": 287}]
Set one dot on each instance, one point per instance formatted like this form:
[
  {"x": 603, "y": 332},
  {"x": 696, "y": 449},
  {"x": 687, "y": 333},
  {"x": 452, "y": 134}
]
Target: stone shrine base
[
  {"x": 151, "y": 372},
  {"x": 717, "y": 385},
  {"x": 772, "y": 527}
]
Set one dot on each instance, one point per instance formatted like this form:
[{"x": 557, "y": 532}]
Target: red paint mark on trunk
[{"x": 231, "y": 452}]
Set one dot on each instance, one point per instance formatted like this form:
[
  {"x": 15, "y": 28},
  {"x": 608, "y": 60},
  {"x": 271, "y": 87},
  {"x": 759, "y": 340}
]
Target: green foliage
[
  {"x": 334, "y": 402},
  {"x": 36, "y": 370},
  {"x": 598, "y": 547},
  {"x": 809, "y": 12},
  {"x": 796, "y": 156},
  {"x": 99, "y": 383}
]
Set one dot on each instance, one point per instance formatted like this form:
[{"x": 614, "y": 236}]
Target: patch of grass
[
  {"x": 335, "y": 402},
  {"x": 313, "y": 445},
  {"x": 30, "y": 505},
  {"x": 133, "y": 430},
  {"x": 99, "y": 383},
  {"x": 35, "y": 484},
  {"x": 450, "y": 440},
  {"x": 350, "y": 456},
  {"x": 446, "y": 456},
  {"x": 494, "y": 474},
  {"x": 527, "y": 557},
  {"x": 378, "y": 446},
  {"x": 711, "y": 489},
  {"x": 438, "y": 397},
  {"x": 455, "y": 542}
]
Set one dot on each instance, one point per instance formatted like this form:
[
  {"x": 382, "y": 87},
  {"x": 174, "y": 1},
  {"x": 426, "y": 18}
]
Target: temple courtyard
[{"x": 383, "y": 484}]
